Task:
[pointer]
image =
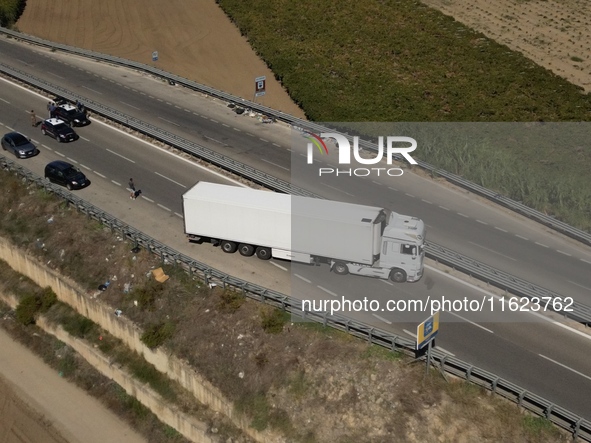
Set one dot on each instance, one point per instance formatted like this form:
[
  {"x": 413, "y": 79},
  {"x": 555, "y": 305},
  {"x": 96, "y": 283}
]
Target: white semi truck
[{"x": 351, "y": 238}]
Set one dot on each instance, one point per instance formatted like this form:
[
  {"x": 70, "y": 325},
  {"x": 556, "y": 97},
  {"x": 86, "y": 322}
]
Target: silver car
[{"x": 19, "y": 145}]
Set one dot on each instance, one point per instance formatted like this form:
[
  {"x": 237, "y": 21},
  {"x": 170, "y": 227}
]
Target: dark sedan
[
  {"x": 71, "y": 115},
  {"x": 19, "y": 145}
]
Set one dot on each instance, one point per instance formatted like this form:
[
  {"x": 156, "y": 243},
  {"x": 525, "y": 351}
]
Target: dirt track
[
  {"x": 38, "y": 406},
  {"x": 194, "y": 39}
]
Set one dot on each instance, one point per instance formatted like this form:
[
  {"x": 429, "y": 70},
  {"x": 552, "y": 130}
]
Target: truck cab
[{"x": 403, "y": 247}]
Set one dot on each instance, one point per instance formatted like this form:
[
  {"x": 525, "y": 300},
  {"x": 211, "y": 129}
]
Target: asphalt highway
[
  {"x": 526, "y": 349},
  {"x": 455, "y": 218}
]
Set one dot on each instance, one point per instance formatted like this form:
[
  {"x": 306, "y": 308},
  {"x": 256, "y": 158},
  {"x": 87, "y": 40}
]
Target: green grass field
[{"x": 399, "y": 61}]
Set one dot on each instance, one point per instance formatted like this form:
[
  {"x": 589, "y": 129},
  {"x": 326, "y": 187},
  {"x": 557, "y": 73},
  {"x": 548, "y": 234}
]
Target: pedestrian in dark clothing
[
  {"x": 48, "y": 106},
  {"x": 52, "y": 110},
  {"x": 137, "y": 193},
  {"x": 131, "y": 188},
  {"x": 79, "y": 106},
  {"x": 33, "y": 118}
]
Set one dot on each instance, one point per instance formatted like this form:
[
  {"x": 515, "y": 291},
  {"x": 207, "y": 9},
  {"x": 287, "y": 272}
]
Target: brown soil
[
  {"x": 194, "y": 39},
  {"x": 19, "y": 423},
  {"x": 555, "y": 34}
]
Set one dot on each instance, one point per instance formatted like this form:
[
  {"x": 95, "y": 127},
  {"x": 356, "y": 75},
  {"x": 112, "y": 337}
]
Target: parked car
[
  {"x": 66, "y": 174},
  {"x": 59, "y": 130},
  {"x": 19, "y": 144},
  {"x": 72, "y": 116}
]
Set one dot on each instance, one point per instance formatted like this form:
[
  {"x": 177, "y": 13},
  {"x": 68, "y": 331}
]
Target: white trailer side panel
[
  {"x": 337, "y": 230},
  {"x": 319, "y": 227},
  {"x": 242, "y": 215}
]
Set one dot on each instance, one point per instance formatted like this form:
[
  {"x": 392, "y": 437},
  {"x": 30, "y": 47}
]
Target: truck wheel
[
  {"x": 340, "y": 268},
  {"x": 398, "y": 275},
  {"x": 246, "y": 250},
  {"x": 263, "y": 253},
  {"x": 228, "y": 246}
]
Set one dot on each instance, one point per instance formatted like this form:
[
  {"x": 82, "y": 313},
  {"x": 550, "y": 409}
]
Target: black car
[
  {"x": 66, "y": 174},
  {"x": 59, "y": 130},
  {"x": 19, "y": 145},
  {"x": 72, "y": 116}
]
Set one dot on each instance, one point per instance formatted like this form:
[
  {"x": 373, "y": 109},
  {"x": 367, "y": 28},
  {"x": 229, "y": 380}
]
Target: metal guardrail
[
  {"x": 549, "y": 221},
  {"x": 576, "y": 425},
  {"x": 479, "y": 270}
]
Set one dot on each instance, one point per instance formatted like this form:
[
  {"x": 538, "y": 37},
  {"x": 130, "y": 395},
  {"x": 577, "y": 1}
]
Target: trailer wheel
[
  {"x": 228, "y": 246},
  {"x": 340, "y": 268},
  {"x": 398, "y": 275},
  {"x": 263, "y": 253},
  {"x": 246, "y": 250}
]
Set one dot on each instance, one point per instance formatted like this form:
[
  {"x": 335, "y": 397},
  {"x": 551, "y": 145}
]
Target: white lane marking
[
  {"x": 410, "y": 333},
  {"x": 426, "y": 201},
  {"x": 481, "y": 222},
  {"x": 215, "y": 121},
  {"x": 535, "y": 314},
  {"x": 410, "y": 195},
  {"x": 187, "y": 110},
  {"x": 387, "y": 282},
  {"x": 72, "y": 160},
  {"x": 168, "y": 121},
  {"x": 376, "y": 183},
  {"x": 172, "y": 154},
  {"x": 500, "y": 229},
  {"x": 391, "y": 188},
  {"x": 580, "y": 286},
  {"x": 493, "y": 251},
  {"x": 239, "y": 130},
  {"x": 55, "y": 75},
  {"x": 463, "y": 215},
  {"x": 99, "y": 174},
  {"x": 470, "y": 321},
  {"x": 276, "y": 144},
  {"x": 337, "y": 189},
  {"x": 131, "y": 106},
  {"x": 170, "y": 179},
  {"x": 169, "y": 104},
  {"x": 225, "y": 125},
  {"x": 179, "y": 215},
  {"x": 327, "y": 291},
  {"x": 563, "y": 253},
  {"x": 119, "y": 155},
  {"x": 262, "y": 139},
  {"x": 586, "y": 261},
  {"x": 382, "y": 318},
  {"x": 565, "y": 367},
  {"x": 148, "y": 199},
  {"x": 177, "y": 106},
  {"x": 522, "y": 237},
  {"x": 274, "y": 164},
  {"x": 85, "y": 167},
  {"x": 115, "y": 183},
  {"x": 5, "y": 101},
  {"x": 542, "y": 245},
  {"x": 279, "y": 266},
  {"x": 302, "y": 278},
  {"x": 444, "y": 208},
  {"x": 85, "y": 139},
  {"x": 163, "y": 207},
  {"x": 93, "y": 90},
  {"x": 60, "y": 154}
]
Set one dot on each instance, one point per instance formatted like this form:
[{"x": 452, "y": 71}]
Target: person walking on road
[
  {"x": 33, "y": 118},
  {"x": 132, "y": 188},
  {"x": 52, "y": 110}
]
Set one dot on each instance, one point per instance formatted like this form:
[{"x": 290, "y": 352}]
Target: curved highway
[
  {"x": 455, "y": 218},
  {"x": 531, "y": 351}
]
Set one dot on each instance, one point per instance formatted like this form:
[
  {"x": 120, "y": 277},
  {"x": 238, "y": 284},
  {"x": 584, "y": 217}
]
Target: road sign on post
[
  {"x": 155, "y": 56},
  {"x": 427, "y": 330},
  {"x": 259, "y": 86}
]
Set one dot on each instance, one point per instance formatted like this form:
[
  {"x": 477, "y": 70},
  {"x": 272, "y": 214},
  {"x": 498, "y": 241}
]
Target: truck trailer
[{"x": 350, "y": 238}]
